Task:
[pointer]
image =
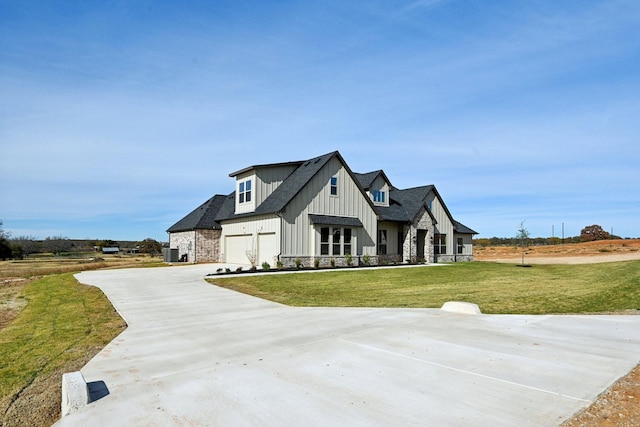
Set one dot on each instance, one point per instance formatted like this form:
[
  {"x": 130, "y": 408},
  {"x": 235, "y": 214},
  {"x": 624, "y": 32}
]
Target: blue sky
[{"x": 117, "y": 118}]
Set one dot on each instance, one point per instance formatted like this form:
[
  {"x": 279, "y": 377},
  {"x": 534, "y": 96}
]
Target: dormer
[
  {"x": 377, "y": 186},
  {"x": 255, "y": 183},
  {"x": 245, "y": 192}
]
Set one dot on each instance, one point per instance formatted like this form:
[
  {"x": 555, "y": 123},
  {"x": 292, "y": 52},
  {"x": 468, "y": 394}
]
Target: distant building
[
  {"x": 319, "y": 211},
  {"x": 111, "y": 250}
]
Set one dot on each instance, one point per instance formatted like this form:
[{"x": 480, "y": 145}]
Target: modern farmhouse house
[{"x": 319, "y": 209}]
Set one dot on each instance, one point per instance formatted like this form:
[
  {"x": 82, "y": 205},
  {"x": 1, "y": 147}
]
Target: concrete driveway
[{"x": 198, "y": 355}]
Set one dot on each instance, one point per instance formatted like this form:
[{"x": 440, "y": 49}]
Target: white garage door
[
  {"x": 236, "y": 248},
  {"x": 267, "y": 248}
]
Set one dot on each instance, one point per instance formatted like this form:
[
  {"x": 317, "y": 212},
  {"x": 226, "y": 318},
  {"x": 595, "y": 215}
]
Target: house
[{"x": 319, "y": 210}]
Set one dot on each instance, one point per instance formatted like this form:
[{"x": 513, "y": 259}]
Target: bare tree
[
  {"x": 27, "y": 244},
  {"x": 523, "y": 238}
]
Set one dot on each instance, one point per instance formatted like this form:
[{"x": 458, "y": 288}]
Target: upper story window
[
  {"x": 334, "y": 185},
  {"x": 244, "y": 191},
  {"x": 378, "y": 196}
]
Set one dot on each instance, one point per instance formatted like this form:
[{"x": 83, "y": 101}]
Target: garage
[
  {"x": 267, "y": 248},
  {"x": 237, "y": 247}
]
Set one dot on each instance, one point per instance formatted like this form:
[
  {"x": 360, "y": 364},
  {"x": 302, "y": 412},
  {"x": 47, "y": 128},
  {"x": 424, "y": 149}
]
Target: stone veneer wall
[
  {"x": 454, "y": 258},
  {"x": 325, "y": 261},
  {"x": 207, "y": 245},
  {"x": 182, "y": 241},
  {"x": 410, "y": 245}
]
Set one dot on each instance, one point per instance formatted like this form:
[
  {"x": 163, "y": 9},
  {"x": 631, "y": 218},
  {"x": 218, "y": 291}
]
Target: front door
[{"x": 422, "y": 234}]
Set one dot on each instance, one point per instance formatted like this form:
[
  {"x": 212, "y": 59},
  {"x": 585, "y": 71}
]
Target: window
[
  {"x": 378, "y": 196},
  {"x": 335, "y": 241},
  {"x": 244, "y": 191},
  {"x": 382, "y": 242},
  {"x": 347, "y": 241},
  {"x": 324, "y": 241},
  {"x": 460, "y": 245},
  {"x": 440, "y": 244},
  {"x": 334, "y": 185}
]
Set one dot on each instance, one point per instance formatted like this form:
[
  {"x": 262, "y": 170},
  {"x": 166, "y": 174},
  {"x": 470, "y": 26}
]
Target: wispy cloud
[{"x": 141, "y": 111}]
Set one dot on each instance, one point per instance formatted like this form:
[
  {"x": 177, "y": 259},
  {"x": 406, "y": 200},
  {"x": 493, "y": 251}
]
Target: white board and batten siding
[
  {"x": 316, "y": 198},
  {"x": 259, "y": 235},
  {"x": 444, "y": 224}
]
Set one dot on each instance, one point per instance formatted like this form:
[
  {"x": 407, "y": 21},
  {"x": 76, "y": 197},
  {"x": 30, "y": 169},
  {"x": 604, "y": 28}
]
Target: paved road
[{"x": 198, "y": 355}]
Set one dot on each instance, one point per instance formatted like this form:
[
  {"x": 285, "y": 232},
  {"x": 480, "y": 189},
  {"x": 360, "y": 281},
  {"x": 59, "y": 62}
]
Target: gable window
[
  {"x": 244, "y": 191},
  {"x": 440, "y": 244},
  {"x": 334, "y": 185},
  {"x": 378, "y": 196}
]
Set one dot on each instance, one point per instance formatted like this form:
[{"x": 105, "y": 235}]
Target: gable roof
[
  {"x": 366, "y": 179},
  {"x": 462, "y": 229},
  {"x": 202, "y": 217},
  {"x": 404, "y": 204},
  {"x": 267, "y": 165},
  {"x": 412, "y": 199},
  {"x": 289, "y": 188},
  {"x": 292, "y": 185}
]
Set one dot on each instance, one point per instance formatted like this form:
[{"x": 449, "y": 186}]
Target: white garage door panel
[
  {"x": 267, "y": 248},
  {"x": 236, "y": 249}
]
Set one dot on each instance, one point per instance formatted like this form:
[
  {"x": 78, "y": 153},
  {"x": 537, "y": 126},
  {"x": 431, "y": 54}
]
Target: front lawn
[
  {"x": 62, "y": 326},
  {"x": 496, "y": 288}
]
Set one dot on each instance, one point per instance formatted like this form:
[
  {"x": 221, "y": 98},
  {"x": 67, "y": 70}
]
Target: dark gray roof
[
  {"x": 366, "y": 179},
  {"x": 462, "y": 229},
  {"x": 202, "y": 217},
  {"x": 268, "y": 165},
  {"x": 404, "y": 205},
  {"x": 394, "y": 212},
  {"x": 289, "y": 188},
  {"x": 335, "y": 220},
  {"x": 411, "y": 199}
]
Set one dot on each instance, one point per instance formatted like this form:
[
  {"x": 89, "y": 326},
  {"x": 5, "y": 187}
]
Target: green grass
[
  {"x": 496, "y": 288},
  {"x": 62, "y": 326}
]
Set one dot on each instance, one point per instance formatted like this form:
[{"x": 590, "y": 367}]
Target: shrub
[
  {"x": 279, "y": 264},
  {"x": 333, "y": 262},
  {"x": 366, "y": 259},
  {"x": 298, "y": 263},
  {"x": 265, "y": 266},
  {"x": 316, "y": 262},
  {"x": 349, "y": 259}
]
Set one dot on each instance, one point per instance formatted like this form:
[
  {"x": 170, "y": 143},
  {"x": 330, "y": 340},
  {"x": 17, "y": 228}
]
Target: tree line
[
  {"x": 587, "y": 234},
  {"x": 22, "y": 246}
]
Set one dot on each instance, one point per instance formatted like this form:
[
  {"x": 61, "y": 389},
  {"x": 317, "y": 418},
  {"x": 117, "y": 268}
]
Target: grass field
[
  {"x": 45, "y": 265},
  {"x": 496, "y": 288}
]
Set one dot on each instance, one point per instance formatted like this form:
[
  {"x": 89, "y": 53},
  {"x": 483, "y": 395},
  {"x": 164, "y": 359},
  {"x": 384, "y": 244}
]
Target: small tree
[
  {"x": 523, "y": 238},
  {"x": 5, "y": 248},
  {"x": 150, "y": 246}
]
